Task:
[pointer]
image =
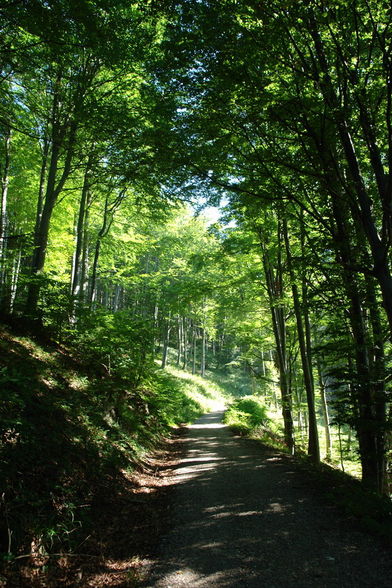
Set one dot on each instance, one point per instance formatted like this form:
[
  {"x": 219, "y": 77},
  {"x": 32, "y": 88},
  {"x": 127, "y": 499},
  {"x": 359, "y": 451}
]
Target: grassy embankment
[{"x": 72, "y": 435}]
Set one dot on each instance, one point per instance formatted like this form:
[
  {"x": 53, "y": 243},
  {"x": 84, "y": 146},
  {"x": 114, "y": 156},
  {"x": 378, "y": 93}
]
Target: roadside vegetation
[{"x": 71, "y": 430}]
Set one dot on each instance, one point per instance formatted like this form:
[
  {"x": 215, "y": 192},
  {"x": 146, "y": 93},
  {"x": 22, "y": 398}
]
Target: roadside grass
[{"x": 205, "y": 392}]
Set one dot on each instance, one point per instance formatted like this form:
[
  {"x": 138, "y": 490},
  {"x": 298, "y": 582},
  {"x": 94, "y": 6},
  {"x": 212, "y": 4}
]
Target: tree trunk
[
  {"x": 77, "y": 283},
  {"x": 366, "y": 425},
  {"x": 364, "y": 205},
  {"x": 53, "y": 188},
  {"x": 324, "y": 408},
  {"x": 377, "y": 367},
  {"x": 93, "y": 280},
  {"x": 313, "y": 442},
  {"x": 274, "y": 288},
  {"x": 166, "y": 341},
  {"x": 194, "y": 348},
  {"x": 42, "y": 180},
  {"x": 185, "y": 344},
  {"x": 179, "y": 340},
  {"x": 203, "y": 353},
  {"x": 5, "y": 294}
]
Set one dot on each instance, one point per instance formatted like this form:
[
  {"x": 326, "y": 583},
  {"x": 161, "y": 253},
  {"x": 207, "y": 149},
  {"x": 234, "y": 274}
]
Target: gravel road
[{"x": 244, "y": 516}]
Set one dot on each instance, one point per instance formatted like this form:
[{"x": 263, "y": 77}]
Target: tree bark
[
  {"x": 203, "y": 353},
  {"x": 274, "y": 288},
  {"x": 366, "y": 425},
  {"x": 5, "y": 293},
  {"x": 54, "y": 186},
  {"x": 166, "y": 340},
  {"x": 77, "y": 276},
  {"x": 313, "y": 441},
  {"x": 194, "y": 348},
  {"x": 324, "y": 408}
]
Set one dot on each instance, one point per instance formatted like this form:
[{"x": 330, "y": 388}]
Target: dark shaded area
[
  {"x": 245, "y": 515},
  {"x": 71, "y": 461}
]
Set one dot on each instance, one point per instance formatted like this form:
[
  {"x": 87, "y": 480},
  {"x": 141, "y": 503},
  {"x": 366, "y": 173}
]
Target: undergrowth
[
  {"x": 68, "y": 424},
  {"x": 372, "y": 512},
  {"x": 246, "y": 415}
]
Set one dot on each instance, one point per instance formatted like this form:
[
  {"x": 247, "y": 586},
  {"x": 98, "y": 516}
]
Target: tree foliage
[{"x": 115, "y": 117}]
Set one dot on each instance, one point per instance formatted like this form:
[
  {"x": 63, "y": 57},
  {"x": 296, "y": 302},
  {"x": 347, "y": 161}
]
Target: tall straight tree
[
  {"x": 302, "y": 114},
  {"x": 78, "y": 57}
]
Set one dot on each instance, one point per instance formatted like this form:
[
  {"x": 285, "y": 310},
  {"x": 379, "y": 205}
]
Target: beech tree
[
  {"x": 68, "y": 75},
  {"x": 301, "y": 117}
]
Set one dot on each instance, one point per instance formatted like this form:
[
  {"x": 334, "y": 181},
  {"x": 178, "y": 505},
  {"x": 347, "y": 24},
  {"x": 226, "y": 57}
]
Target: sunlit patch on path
[{"x": 207, "y": 426}]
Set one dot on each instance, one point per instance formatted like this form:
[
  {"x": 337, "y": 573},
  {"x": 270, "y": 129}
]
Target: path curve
[{"x": 243, "y": 516}]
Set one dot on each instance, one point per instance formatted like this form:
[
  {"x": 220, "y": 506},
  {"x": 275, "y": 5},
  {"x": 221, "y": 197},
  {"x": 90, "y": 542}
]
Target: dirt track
[{"x": 244, "y": 516}]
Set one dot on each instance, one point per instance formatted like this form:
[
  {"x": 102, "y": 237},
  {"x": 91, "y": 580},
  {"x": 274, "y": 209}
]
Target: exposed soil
[{"x": 246, "y": 516}]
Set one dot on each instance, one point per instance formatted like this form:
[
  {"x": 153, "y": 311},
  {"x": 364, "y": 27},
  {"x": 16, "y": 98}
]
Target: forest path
[{"x": 244, "y": 516}]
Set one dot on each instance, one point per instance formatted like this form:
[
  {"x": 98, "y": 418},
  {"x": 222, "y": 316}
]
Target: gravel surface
[{"x": 244, "y": 515}]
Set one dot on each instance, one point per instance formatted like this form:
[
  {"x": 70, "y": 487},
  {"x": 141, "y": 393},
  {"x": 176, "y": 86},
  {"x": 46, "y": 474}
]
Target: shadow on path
[{"x": 243, "y": 516}]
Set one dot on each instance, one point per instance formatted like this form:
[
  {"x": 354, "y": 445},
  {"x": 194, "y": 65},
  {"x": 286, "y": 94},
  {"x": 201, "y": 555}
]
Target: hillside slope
[{"x": 76, "y": 465}]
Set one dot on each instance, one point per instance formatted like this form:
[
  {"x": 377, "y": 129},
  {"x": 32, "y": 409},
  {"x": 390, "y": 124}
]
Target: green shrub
[
  {"x": 118, "y": 342},
  {"x": 246, "y": 414}
]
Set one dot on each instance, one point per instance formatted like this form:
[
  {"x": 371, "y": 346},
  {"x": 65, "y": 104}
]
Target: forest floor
[
  {"x": 213, "y": 509},
  {"x": 131, "y": 512},
  {"x": 244, "y": 515}
]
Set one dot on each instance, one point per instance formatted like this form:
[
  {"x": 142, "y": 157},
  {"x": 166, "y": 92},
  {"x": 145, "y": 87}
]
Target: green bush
[
  {"x": 246, "y": 414},
  {"x": 118, "y": 342}
]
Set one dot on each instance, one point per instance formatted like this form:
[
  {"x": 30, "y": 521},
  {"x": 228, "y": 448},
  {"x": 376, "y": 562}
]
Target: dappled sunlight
[
  {"x": 276, "y": 534},
  {"x": 201, "y": 459},
  {"x": 188, "y": 577},
  {"x": 208, "y": 426},
  {"x": 249, "y": 513},
  {"x": 276, "y": 507}
]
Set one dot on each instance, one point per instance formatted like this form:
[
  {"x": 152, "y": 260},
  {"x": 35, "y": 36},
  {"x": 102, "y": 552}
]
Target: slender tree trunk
[
  {"x": 179, "y": 339},
  {"x": 15, "y": 279},
  {"x": 324, "y": 408},
  {"x": 185, "y": 343},
  {"x": 42, "y": 180},
  {"x": 106, "y": 224},
  {"x": 281, "y": 362},
  {"x": 77, "y": 284},
  {"x": 155, "y": 323},
  {"x": 5, "y": 296},
  {"x": 313, "y": 442},
  {"x": 166, "y": 341},
  {"x": 274, "y": 288},
  {"x": 378, "y": 383},
  {"x": 203, "y": 353},
  {"x": 262, "y": 363},
  {"x": 93, "y": 280},
  {"x": 194, "y": 348},
  {"x": 84, "y": 264}
]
